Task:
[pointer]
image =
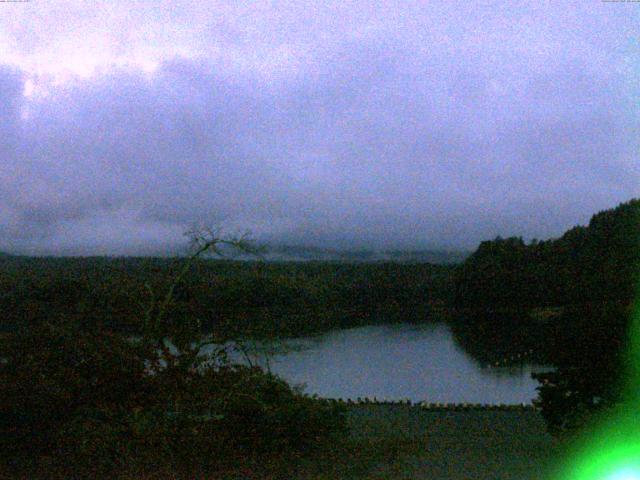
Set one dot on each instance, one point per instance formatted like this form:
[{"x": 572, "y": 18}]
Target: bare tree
[{"x": 180, "y": 346}]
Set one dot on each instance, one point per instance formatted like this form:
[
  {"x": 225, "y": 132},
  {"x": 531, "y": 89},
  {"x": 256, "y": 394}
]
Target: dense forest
[
  {"x": 593, "y": 264},
  {"x": 570, "y": 299},
  {"x": 286, "y": 299}
]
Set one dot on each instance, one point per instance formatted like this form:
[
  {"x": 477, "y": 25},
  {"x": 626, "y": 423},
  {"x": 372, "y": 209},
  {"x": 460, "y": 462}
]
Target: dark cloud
[{"x": 439, "y": 133}]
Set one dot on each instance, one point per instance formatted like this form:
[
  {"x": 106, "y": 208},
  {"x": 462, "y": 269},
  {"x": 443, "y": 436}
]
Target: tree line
[
  {"x": 588, "y": 264},
  {"x": 283, "y": 299}
]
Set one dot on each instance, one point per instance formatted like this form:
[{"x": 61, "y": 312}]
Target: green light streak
[{"x": 609, "y": 450}]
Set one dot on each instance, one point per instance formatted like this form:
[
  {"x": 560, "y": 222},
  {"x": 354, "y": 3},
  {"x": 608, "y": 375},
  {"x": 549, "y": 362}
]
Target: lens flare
[
  {"x": 625, "y": 474},
  {"x": 611, "y": 451}
]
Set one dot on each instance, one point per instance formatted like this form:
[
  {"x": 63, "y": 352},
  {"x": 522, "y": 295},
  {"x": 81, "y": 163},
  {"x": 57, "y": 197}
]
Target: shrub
[
  {"x": 97, "y": 403},
  {"x": 589, "y": 346},
  {"x": 87, "y": 402}
]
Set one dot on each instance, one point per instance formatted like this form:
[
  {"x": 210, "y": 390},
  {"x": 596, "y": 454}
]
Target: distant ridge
[
  {"x": 281, "y": 253},
  {"x": 285, "y": 253}
]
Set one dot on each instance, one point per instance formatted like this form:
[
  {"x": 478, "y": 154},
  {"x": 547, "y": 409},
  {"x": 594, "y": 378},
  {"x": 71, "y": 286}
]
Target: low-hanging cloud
[{"x": 383, "y": 139}]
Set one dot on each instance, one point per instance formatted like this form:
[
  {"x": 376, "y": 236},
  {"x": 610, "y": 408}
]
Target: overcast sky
[{"x": 341, "y": 124}]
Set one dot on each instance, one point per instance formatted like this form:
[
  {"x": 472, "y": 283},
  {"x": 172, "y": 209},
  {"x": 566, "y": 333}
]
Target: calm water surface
[{"x": 421, "y": 363}]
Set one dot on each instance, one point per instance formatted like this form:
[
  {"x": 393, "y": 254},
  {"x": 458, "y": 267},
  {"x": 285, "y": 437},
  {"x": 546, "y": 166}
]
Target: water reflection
[{"x": 422, "y": 363}]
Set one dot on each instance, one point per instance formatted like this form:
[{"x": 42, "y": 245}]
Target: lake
[{"x": 394, "y": 362}]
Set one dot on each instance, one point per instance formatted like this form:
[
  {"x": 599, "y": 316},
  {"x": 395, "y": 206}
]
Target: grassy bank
[{"x": 402, "y": 442}]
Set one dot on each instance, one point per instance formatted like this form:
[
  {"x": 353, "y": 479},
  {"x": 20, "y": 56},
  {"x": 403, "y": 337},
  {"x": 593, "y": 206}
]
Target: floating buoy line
[{"x": 438, "y": 406}]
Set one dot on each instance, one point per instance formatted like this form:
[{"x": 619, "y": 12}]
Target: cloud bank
[{"x": 342, "y": 126}]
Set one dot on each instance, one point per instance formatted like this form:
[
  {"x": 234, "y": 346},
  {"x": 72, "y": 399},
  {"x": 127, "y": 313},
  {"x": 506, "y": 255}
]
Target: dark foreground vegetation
[
  {"x": 76, "y": 404},
  {"x": 80, "y": 399}
]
